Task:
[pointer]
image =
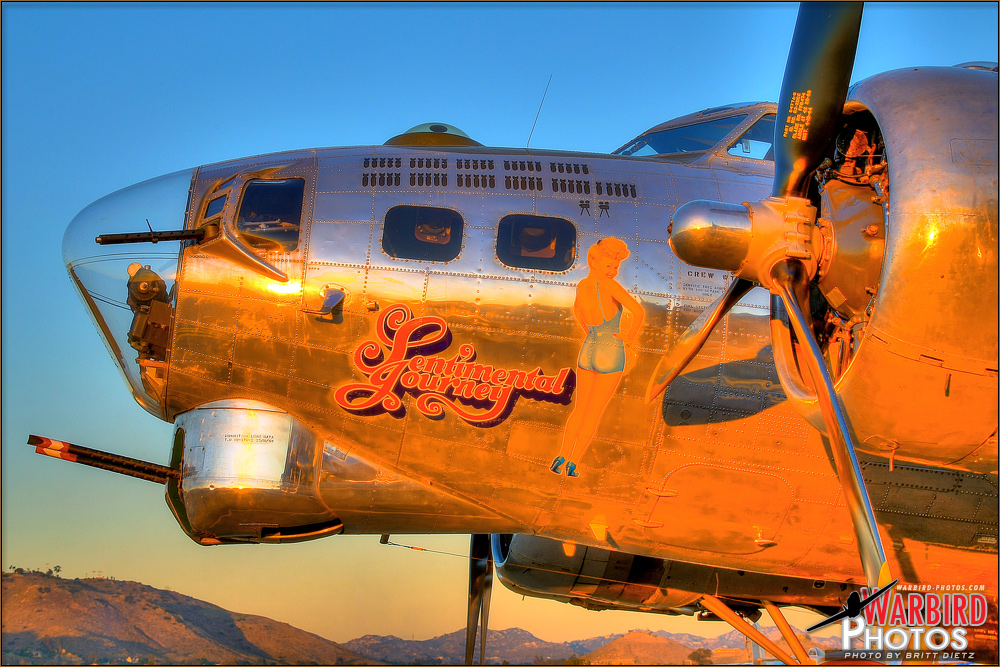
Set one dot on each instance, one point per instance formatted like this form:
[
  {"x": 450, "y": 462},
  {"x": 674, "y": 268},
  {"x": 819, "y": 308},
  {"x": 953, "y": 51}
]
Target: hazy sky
[{"x": 97, "y": 97}]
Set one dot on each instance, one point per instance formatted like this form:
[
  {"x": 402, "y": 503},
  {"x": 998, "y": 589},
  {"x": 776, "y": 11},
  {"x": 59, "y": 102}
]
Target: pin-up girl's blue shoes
[{"x": 570, "y": 467}]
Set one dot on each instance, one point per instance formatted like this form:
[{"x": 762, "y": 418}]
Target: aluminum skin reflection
[
  {"x": 725, "y": 470},
  {"x": 642, "y": 480}
]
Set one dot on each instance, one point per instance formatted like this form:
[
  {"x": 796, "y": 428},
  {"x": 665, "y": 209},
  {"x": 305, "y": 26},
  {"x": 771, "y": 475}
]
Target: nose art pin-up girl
[{"x": 602, "y": 308}]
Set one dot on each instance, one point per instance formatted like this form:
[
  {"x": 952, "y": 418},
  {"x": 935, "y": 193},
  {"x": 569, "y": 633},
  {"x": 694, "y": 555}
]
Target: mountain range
[
  {"x": 47, "y": 619},
  {"x": 51, "y": 620}
]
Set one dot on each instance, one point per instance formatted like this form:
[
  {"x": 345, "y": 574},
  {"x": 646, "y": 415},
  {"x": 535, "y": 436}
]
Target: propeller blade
[
  {"x": 789, "y": 277},
  {"x": 692, "y": 340},
  {"x": 813, "y": 90},
  {"x": 485, "y": 617},
  {"x": 480, "y": 569}
]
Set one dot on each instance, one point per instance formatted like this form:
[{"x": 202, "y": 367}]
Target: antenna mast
[{"x": 526, "y": 145}]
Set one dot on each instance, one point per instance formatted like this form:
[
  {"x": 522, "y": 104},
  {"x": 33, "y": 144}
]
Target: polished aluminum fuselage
[
  {"x": 237, "y": 336},
  {"x": 724, "y": 471}
]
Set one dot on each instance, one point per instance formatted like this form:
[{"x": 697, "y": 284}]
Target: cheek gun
[{"x": 124, "y": 465}]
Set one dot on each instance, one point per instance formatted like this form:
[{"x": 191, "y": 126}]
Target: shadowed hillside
[
  {"x": 71, "y": 621},
  {"x": 514, "y": 645}
]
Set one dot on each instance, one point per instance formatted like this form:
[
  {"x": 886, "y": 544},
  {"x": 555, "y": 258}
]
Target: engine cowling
[
  {"x": 934, "y": 326},
  {"x": 597, "y": 579},
  {"x": 592, "y": 577},
  {"x": 920, "y": 382}
]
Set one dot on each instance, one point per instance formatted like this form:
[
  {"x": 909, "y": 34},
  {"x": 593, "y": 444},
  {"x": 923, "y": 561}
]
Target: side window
[
  {"x": 756, "y": 143},
  {"x": 536, "y": 242},
  {"x": 217, "y": 201},
  {"x": 270, "y": 214},
  {"x": 423, "y": 233},
  {"x": 215, "y": 207}
]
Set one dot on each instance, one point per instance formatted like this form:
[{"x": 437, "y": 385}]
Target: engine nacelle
[
  {"x": 592, "y": 577},
  {"x": 597, "y": 578},
  {"x": 920, "y": 382},
  {"x": 253, "y": 473},
  {"x": 924, "y": 380}
]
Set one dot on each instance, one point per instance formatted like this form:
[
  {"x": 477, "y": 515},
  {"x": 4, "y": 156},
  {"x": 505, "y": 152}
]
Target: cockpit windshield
[{"x": 685, "y": 139}]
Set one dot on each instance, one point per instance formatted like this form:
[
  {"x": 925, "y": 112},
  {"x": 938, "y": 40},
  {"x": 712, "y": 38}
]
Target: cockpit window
[
  {"x": 270, "y": 214},
  {"x": 422, "y": 233},
  {"x": 536, "y": 242},
  {"x": 757, "y": 143},
  {"x": 686, "y": 139}
]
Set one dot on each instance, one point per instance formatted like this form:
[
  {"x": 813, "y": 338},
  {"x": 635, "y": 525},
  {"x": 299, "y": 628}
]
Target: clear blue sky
[{"x": 97, "y": 97}]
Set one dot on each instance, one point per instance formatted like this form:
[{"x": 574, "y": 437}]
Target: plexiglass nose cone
[
  {"x": 132, "y": 321},
  {"x": 162, "y": 201}
]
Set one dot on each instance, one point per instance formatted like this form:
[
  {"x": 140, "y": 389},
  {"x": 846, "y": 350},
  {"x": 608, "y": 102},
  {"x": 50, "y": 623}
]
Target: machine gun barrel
[
  {"x": 152, "y": 237},
  {"x": 123, "y": 465}
]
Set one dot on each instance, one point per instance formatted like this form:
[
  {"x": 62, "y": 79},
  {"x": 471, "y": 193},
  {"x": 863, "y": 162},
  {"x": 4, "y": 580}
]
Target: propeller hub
[
  {"x": 747, "y": 239},
  {"x": 712, "y": 234},
  {"x": 783, "y": 228}
]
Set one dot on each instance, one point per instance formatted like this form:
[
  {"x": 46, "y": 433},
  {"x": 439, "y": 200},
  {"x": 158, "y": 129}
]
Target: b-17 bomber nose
[{"x": 136, "y": 330}]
